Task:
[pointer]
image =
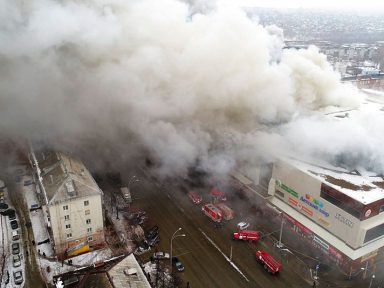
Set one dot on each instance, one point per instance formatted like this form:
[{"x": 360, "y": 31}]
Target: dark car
[
  {"x": 15, "y": 248},
  {"x": 154, "y": 240},
  {"x": 3, "y": 207},
  {"x": 153, "y": 232},
  {"x": 7, "y": 277},
  {"x": 11, "y": 214},
  {"x": 14, "y": 224},
  {"x": 137, "y": 218},
  {"x": 176, "y": 262},
  {"x": 142, "y": 247},
  {"x": 7, "y": 212}
]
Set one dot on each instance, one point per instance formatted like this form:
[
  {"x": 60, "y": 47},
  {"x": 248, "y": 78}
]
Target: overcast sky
[{"x": 374, "y": 5}]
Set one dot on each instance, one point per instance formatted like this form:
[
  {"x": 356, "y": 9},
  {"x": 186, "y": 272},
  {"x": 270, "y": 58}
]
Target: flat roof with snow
[
  {"x": 363, "y": 186},
  {"x": 128, "y": 273},
  {"x": 365, "y": 189}
]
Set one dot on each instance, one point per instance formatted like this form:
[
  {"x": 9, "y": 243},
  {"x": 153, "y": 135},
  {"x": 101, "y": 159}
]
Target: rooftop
[
  {"x": 128, "y": 273},
  {"x": 363, "y": 188},
  {"x": 64, "y": 177}
]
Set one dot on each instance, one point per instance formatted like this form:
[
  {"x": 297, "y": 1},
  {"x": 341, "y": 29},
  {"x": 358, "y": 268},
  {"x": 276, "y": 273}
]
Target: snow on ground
[
  {"x": 84, "y": 260},
  {"x": 39, "y": 226}
]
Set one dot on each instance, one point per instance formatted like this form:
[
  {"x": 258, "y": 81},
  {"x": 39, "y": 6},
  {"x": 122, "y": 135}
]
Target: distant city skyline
[{"x": 358, "y": 5}]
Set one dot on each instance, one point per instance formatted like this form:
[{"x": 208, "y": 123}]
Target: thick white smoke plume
[{"x": 153, "y": 77}]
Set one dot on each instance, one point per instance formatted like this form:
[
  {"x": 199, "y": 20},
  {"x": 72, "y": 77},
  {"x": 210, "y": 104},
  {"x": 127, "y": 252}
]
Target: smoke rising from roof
[{"x": 159, "y": 78}]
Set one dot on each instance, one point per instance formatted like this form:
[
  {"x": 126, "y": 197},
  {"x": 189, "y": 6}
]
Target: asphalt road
[{"x": 204, "y": 250}]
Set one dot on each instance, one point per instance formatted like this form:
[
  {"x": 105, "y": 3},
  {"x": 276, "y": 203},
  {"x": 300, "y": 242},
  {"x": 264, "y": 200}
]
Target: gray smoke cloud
[{"x": 184, "y": 84}]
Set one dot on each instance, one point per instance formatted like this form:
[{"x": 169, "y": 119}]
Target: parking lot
[{"x": 12, "y": 248}]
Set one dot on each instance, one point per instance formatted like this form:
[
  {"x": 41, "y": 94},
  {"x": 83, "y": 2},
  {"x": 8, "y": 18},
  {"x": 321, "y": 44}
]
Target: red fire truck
[
  {"x": 227, "y": 212},
  {"x": 212, "y": 212},
  {"x": 270, "y": 264},
  {"x": 246, "y": 235}
]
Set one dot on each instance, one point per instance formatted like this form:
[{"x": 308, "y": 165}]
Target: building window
[
  {"x": 87, "y": 212},
  {"x": 65, "y": 207},
  {"x": 381, "y": 209},
  {"x": 66, "y": 217},
  {"x": 374, "y": 233},
  {"x": 279, "y": 193},
  {"x": 90, "y": 238},
  {"x": 347, "y": 207},
  {"x": 86, "y": 203},
  {"x": 68, "y": 226},
  {"x": 88, "y": 221},
  {"x": 89, "y": 229},
  {"x": 69, "y": 235}
]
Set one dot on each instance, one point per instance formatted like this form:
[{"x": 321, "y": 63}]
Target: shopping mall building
[{"x": 340, "y": 212}]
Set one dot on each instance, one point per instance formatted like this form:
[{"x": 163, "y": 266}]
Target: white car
[
  {"x": 18, "y": 277},
  {"x": 161, "y": 255},
  {"x": 16, "y": 260},
  {"x": 242, "y": 225}
]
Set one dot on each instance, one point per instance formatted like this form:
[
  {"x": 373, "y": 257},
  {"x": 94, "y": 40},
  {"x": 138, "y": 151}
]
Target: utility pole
[{"x": 279, "y": 245}]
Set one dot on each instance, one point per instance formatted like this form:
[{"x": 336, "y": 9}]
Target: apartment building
[{"x": 72, "y": 203}]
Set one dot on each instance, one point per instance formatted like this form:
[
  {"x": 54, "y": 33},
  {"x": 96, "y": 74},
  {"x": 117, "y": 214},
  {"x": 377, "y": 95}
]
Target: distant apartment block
[{"x": 72, "y": 203}]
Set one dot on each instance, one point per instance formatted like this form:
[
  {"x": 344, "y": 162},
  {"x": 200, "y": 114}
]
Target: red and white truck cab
[
  {"x": 212, "y": 212},
  {"x": 270, "y": 264}
]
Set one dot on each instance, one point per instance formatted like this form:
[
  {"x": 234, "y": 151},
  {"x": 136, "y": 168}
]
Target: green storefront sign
[{"x": 287, "y": 189}]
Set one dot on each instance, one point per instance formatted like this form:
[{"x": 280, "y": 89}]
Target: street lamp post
[
  {"x": 370, "y": 283},
  {"x": 279, "y": 244},
  {"x": 175, "y": 235}
]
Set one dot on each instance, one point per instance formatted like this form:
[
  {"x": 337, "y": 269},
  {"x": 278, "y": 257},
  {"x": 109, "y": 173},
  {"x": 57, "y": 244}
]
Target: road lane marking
[{"x": 225, "y": 256}]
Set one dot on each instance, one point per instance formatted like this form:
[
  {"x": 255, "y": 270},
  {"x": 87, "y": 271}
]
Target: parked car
[
  {"x": 142, "y": 247},
  {"x": 16, "y": 260},
  {"x": 11, "y": 214},
  {"x": 161, "y": 255},
  {"x": 7, "y": 212},
  {"x": 14, "y": 224},
  {"x": 242, "y": 225},
  {"x": 34, "y": 207},
  {"x": 15, "y": 235},
  {"x": 18, "y": 277},
  {"x": 154, "y": 240},
  {"x": 153, "y": 232},
  {"x": 3, "y": 207},
  {"x": 15, "y": 248},
  {"x": 7, "y": 277},
  {"x": 137, "y": 218},
  {"x": 176, "y": 262}
]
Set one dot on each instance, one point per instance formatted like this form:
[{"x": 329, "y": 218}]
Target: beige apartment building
[{"x": 72, "y": 203}]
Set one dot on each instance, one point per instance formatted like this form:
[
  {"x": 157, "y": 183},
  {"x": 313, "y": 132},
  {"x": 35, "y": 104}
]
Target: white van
[{"x": 15, "y": 235}]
